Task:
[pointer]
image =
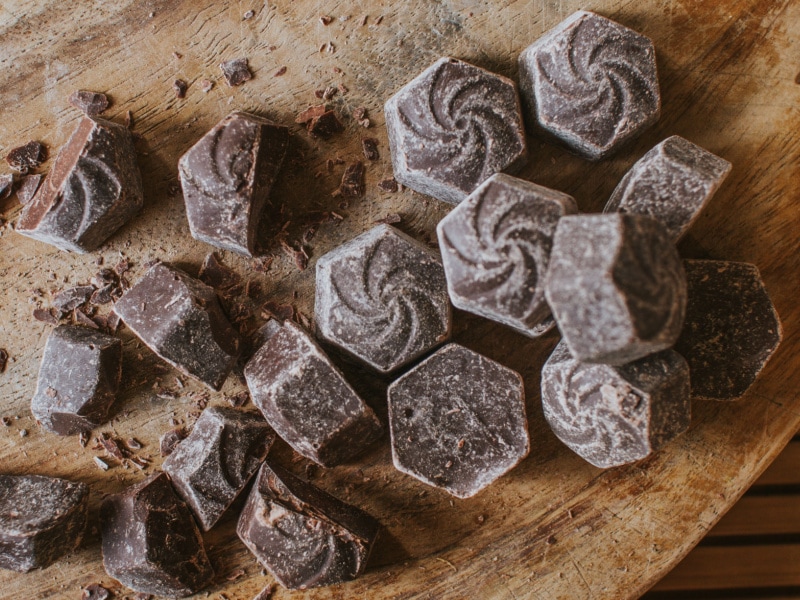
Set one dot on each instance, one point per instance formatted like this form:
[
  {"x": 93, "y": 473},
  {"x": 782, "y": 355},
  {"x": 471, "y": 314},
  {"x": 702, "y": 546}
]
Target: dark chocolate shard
[
  {"x": 170, "y": 440},
  {"x": 731, "y": 328},
  {"x": 352, "y": 185},
  {"x": 27, "y": 157},
  {"x": 90, "y": 103},
  {"x": 95, "y": 591},
  {"x": 78, "y": 379},
  {"x": 304, "y": 537},
  {"x": 181, "y": 320},
  {"x": 6, "y": 185},
  {"x": 92, "y": 190},
  {"x": 236, "y": 71},
  {"x": 151, "y": 543},
  {"x": 41, "y": 520},
  {"x": 179, "y": 86},
  {"x": 306, "y": 399},
  {"x": 27, "y": 188},
  {"x": 72, "y": 298},
  {"x": 370, "y": 147},
  {"x": 324, "y": 125}
]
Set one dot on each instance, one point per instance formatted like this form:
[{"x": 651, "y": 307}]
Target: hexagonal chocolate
[
  {"x": 496, "y": 248},
  {"x": 382, "y": 297},
  {"x": 616, "y": 287},
  {"x": 78, "y": 379},
  {"x": 731, "y": 328},
  {"x": 452, "y": 127},
  {"x": 211, "y": 466},
  {"x": 590, "y": 83},
  {"x": 672, "y": 182},
  {"x": 181, "y": 320},
  {"x": 612, "y": 416},
  {"x": 458, "y": 421}
]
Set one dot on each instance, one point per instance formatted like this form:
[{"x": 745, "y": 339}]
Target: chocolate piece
[
  {"x": 458, "y": 421},
  {"x": 41, "y": 520},
  {"x": 179, "y": 86},
  {"x": 217, "y": 275},
  {"x": 731, "y": 328},
  {"x": 27, "y": 188},
  {"x": 6, "y": 185},
  {"x": 388, "y": 185},
  {"x": 150, "y": 540},
  {"x": 324, "y": 125},
  {"x": 590, "y": 83},
  {"x": 616, "y": 287},
  {"x": 95, "y": 591},
  {"x": 612, "y": 416},
  {"x": 170, "y": 440},
  {"x": 672, "y": 182},
  {"x": 26, "y": 157},
  {"x": 46, "y": 316},
  {"x": 496, "y": 248},
  {"x": 370, "y": 147},
  {"x": 236, "y": 71},
  {"x": 90, "y": 103},
  {"x": 227, "y": 177},
  {"x": 78, "y": 379},
  {"x": 211, "y": 466},
  {"x": 310, "y": 113},
  {"x": 306, "y": 399},
  {"x": 304, "y": 537},
  {"x": 353, "y": 180},
  {"x": 382, "y": 297},
  {"x": 72, "y": 298},
  {"x": 181, "y": 320},
  {"x": 453, "y": 127},
  {"x": 93, "y": 189}
]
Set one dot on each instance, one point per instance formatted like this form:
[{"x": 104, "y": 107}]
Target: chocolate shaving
[
  {"x": 180, "y": 87},
  {"x": 389, "y": 219},
  {"x": 26, "y": 157},
  {"x": 329, "y": 92},
  {"x": 262, "y": 265},
  {"x": 90, "y": 103},
  {"x": 95, "y": 591},
  {"x": 360, "y": 115},
  {"x": 27, "y": 188},
  {"x": 101, "y": 463},
  {"x": 45, "y": 316},
  {"x": 217, "y": 275},
  {"x": 112, "y": 322},
  {"x": 112, "y": 446},
  {"x": 6, "y": 185},
  {"x": 236, "y": 71},
  {"x": 342, "y": 89},
  {"x": 353, "y": 180},
  {"x": 133, "y": 444},
  {"x": 123, "y": 266},
  {"x": 370, "y": 147},
  {"x": 248, "y": 15},
  {"x": 103, "y": 295},
  {"x": 326, "y": 20},
  {"x": 388, "y": 185},
  {"x": 311, "y": 112},
  {"x": 70, "y": 299},
  {"x": 3, "y": 359},
  {"x": 128, "y": 119},
  {"x": 325, "y": 125},
  {"x": 280, "y": 72},
  {"x": 266, "y": 593},
  {"x": 82, "y": 318},
  {"x": 299, "y": 255},
  {"x": 277, "y": 311},
  {"x": 303, "y": 320}
]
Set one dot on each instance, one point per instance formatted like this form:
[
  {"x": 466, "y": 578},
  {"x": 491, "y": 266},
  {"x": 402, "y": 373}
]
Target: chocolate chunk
[
  {"x": 382, "y": 297},
  {"x": 78, "y": 379},
  {"x": 90, "y": 103},
  {"x": 227, "y": 177},
  {"x": 590, "y": 83},
  {"x": 92, "y": 190},
  {"x": 453, "y": 127},
  {"x": 731, "y": 328},
  {"x": 304, "y": 537},
  {"x": 179, "y": 86},
  {"x": 95, "y": 591},
  {"x": 181, "y": 320},
  {"x": 306, "y": 399},
  {"x": 672, "y": 182},
  {"x": 458, "y": 421},
  {"x": 151, "y": 543},
  {"x": 496, "y": 249},
  {"x": 370, "y": 148},
  {"x": 41, "y": 520},
  {"x": 170, "y": 440},
  {"x": 6, "y": 185},
  {"x": 312, "y": 112},
  {"x": 612, "y": 416},
  {"x": 353, "y": 180},
  {"x": 72, "y": 298},
  {"x": 388, "y": 185},
  {"x": 616, "y": 287},
  {"x": 29, "y": 156},
  {"x": 27, "y": 188},
  {"x": 211, "y": 466},
  {"x": 236, "y": 71},
  {"x": 325, "y": 125},
  {"x": 45, "y": 316}
]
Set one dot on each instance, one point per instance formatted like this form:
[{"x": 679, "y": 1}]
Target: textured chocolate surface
[
  {"x": 496, "y": 248},
  {"x": 150, "y": 540},
  {"x": 78, "y": 379},
  {"x": 458, "y": 421},
  {"x": 731, "y": 328},
  {"x": 227, "y": 177},
  {"x": 382, "y": 297},
  {"x": 590, "y": 83},
  {"x": 211, "y": 466},
  {"x": 612, "y": 416},
  {"x": 303, "y": 536},
  {"x": 41, "y": 520},
  {"x": 672, "y": 182},
  {"x": 452, "y": 127},
  {"x": 306, "y": 399},
  {"x": 181, "y": 320},
  {"x": 93, "y": 189},
  {"x": 616, "y": 287}
]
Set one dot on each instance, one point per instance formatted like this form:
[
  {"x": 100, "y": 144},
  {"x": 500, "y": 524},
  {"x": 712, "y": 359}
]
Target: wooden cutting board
[{"x": 555, "y": 527}]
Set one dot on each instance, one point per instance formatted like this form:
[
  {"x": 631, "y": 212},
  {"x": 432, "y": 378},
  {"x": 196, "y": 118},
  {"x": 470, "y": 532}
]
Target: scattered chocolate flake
[
  {"x": 26, "y": 157},
  {"x": 45, "y": 316},
  {"x": 388, "y": 185},
  {"x": 6, "y": 421},
  {"x": 180, "y": 87},
  {"x": 277, "y": 311},
  {"x": 266, "y": 593},
  {"x": 342, "y": 89},
  {"x": 248, "y": 15},
  {"x": 329, "y": 92},
  {"x": 171, "y": 439},
  {"x": 236, "y": 574},
  {"x": 139, "y": 462},
  {"x": 325, "y": 125},
  {"x": 312, "y": 112},
  {"x": 319, "y": 93},
  {"x": 299, "y": 255},
  {"x": 262, "y": 265},
  {"x": 236, "y": 71},
  {"x": 101, "y": 463},
  {"x": 128, "y": 119},
  {"x": 363, "y": 20},
  {"x": 337, "y": 70},
  {"x": 133, "y": 444},
  {"x": 3, "y": 360},
  {"x": 27, "y": 188},
  {"x": 206, "y": 85},
  {"x": 360, "y": 115},
  {"x": 388, "y": 219},
  {"x": 353, "y": 180},
  {"x": 103, "y": 277},
  {"x": 90, "y": 103},
  {"x": 326, "y": 20},
  {"x": 81, "y": 318},
  {"x": 123, "y": 266},
  {"x": 177, "y": 55},
  {"x": 370, "y": 147},
  {"x": 217, "y": 275},
  {"x": 71, "y": 298},
  {"x": 6, "y": 185},
  {"x": 239, "y": 399},
  {"x": 112, "y": 446},
  {"x": 103, "y": 295},
  {"x": 280, "y": 72},
  {"x": 379, "y": 20}
]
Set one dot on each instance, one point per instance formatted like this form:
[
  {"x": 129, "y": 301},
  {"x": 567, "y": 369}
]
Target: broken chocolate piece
[
  {"x": 170, "y": 440},
  {"x": 27, "y": 188},
  {"x": 370, "y": 148},
  {"x": 95, "y": 591},
  {"x": 90, "y": 103},
  {"x": 72, "y": 298},
  {"x": 41, "y": 520},
  {"x": 217, "y": 275},
  {"x": 388, "y": 185},
  {"x": 27, "y": 157},
  {"x": 180, "y": 319},
  {"x": 179, "y": 86},
  {"x": 304, "y": 537},
  {"x": 151, "y": 543},
  {"x": 6, "y": 185},
  {"x": 353, "y": 180},
  {"x": 306, "y": 398},
  {"x": 310, "y": 113},
  {"x": 45, "y": 316},
  {"x": 325, "y": 125},
  {"x": 236, "y": 71}
]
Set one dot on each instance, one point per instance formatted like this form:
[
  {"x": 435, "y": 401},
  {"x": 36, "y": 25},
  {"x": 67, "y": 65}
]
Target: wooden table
[{"x": 553, "y": 528}]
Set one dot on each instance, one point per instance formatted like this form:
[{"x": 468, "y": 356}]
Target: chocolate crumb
[
  {"x": 177, "y": 55},
  {"x": 379, "y": 20},
  {"x": 325, "y": 125},
  {"x": 236, "y": 71},
  {"x": 6, "y": 421},
  {"x": 389, "y": 219},
  {"x": 90, "y": 103},
  {"x": 133, "y": 444},
  {"x": 27, "y": 188},
  {"x": 26, "y": 157},
  {"x": 45, "y": 316},
  {"x": 319, "y": 93},
  {"x": 112, "y": 446},
  {"x": 171, "y": 439},
  {"x": 112, "y": 322},
  {"x": 3, "y": 360},
  {"x": 326, "y": 20},
  {"x": 248, "y": 15},
  {"x": 266, "y": 593},
  {"x": 329, "y": 92},
  {"x": 6, "y": 185},
  {"x": 239, "y": 399},
  {"x": 312, "y": 112},
  {"x": 363, "y": 20},
  {"x": 206, "y": 85},
  {"x": 280, "y": 72},
  {"x": 180, "y": 87},
  {"x": 71, "y": 298},
  {"x": 388, "y": 185},
  {"x": 353, "y": 180},
  {"x": 342, "y": 89},
  {"x": 82, "y": 318},
  {"x": 370, "y": 147},
  {"x": 101, "y": 463}
]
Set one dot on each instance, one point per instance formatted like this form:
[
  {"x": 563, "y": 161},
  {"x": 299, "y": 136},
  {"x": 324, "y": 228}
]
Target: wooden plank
[
  {"x": 785, "y": 469},
  {"x": 760, "y": 515}
]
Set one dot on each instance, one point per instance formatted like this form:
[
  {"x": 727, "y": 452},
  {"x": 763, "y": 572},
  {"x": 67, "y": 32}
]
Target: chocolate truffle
[
  {"x": 303, "y": 536},
  {"x": 181, "y": 320},
  {"x": 458, "y": 421},
  {"x": 590, "y": 83},
  {"x": 211, "y": 466},
  {"x": 93, "y": 189},
  {"x": 616, "y": 287},
  {"x": 41, "y": 520},
  {"x": 306, "y": 399},
  {"x": 78, "y": 379},
  {"x": 731, "y": 328},
  {"x": 227, "y": 177},
  {"x": 382, "y": 297},
  {"x": 150, "y": 540},
  {"x": 496, "y": 248},
  {"x": 672, "y": 182},
  {"x": 452, "y": 127},
  {"x": 612, "y": 416}
]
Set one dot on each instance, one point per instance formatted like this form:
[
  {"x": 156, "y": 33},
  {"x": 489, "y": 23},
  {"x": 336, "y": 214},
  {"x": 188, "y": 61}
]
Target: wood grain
[{"x": 553, "y": 528}]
